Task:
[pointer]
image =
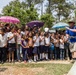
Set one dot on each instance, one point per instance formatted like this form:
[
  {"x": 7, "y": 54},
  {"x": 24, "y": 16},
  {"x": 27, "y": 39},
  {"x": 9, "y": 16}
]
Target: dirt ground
[
  {"x": 9, "y": 70},
  {"x": 15, "y": 70}
]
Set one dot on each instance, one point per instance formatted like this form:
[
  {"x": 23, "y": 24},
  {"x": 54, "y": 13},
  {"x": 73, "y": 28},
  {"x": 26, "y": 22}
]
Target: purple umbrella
[
  {"x": 35, "y": 23},
  {"x": 9, "y": 19}
]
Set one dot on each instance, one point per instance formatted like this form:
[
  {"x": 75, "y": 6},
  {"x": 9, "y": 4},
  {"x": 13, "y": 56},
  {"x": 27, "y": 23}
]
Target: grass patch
[{"x": 49, "y": 69}]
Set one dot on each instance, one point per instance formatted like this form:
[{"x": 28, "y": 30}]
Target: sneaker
[
  {"x": 2, "y": 62},
  {"x": 29, "y": 61}
]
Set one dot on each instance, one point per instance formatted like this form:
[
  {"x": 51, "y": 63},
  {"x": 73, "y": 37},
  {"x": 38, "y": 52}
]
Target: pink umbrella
[{"x": 9, "y": 19}]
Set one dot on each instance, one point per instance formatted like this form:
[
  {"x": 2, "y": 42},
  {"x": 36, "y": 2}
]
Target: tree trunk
[
  {"x": 49, "y": 6},
  {"x": 42, "y": 8}
]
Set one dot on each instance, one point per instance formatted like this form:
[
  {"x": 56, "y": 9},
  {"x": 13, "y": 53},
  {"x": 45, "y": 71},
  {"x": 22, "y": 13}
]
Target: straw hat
[{"x": 71, "y": 21}]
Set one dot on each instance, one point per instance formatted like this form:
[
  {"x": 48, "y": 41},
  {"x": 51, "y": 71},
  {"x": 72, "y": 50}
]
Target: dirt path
[
  {"x": 9, "y": 70},
  {"x": 15, "y": 70}
]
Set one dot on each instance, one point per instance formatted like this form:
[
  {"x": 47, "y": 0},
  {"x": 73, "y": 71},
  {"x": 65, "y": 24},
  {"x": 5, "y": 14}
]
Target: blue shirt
[
  {"x": 52, "y": 46},
  {"x": 71, "y": 33}
]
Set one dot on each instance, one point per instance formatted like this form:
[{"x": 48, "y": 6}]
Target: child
[
  {"x": 62, "y": 47},
  {"x": 18, "y": 44},
  {"x": 3, "y": 45},
  {"x": 30, "y": 43},
  {"x": 36, "y": 46},
  {"x": 52, "y": 50},
  {"x": 11, "y": 44},
  {"x": 24, "y": 44},
  {"x": 57, "y": 50},
  {"x": 47, "y": 44},
  {"x": 42, "y": 43}
]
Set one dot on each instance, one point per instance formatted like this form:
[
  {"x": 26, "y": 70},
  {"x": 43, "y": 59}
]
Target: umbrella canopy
[
  {"x": 9, "y": 19},
  {"x": 60, "y": 25},
  {"x": 35, "y": 23}
]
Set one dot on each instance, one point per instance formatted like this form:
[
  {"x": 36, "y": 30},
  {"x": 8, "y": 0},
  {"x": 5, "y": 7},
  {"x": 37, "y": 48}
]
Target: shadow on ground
[{"x": 3, "y": 69}]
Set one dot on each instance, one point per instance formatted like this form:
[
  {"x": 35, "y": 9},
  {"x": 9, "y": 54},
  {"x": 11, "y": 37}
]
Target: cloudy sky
[{"x": 5, "y": 2}]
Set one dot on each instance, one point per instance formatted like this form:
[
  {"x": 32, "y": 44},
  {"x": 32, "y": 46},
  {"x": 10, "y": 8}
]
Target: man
[{"x": 71, "y": 34}]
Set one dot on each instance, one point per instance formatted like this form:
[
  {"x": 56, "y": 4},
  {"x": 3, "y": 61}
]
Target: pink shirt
[{"x": 18, "y": 38}]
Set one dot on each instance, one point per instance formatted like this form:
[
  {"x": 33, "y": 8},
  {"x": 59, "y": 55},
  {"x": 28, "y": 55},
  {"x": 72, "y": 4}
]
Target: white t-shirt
[
  {"x": 37, "y": 41},
  {"x": 57, "y": 44},
  {"x": 42, "y": 40},
  {"x": 3, "y": 40},
  {"x": 61, "y": 44},
  {"x": 47, "y": 40},
  {"x": 10, "y": 34}
]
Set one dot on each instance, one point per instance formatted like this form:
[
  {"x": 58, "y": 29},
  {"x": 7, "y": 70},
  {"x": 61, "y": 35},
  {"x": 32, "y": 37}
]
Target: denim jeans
[
  {"x": 57, "y": 53},
  {"x": 51, "y": 54},
  {"x": 62, "y": 52},
  {"x": 19, "y": 52},
  {"x": 24, "y": 51}
]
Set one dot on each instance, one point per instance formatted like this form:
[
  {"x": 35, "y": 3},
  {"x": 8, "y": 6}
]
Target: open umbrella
[
  {"x": 9, "y": 19},
  {"x": 60, "y": 25},
  {"x": 35, "y": 23}
]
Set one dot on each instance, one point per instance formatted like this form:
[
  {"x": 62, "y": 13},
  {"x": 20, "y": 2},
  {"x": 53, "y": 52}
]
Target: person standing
[
  {"x": 36, "y": 41},
  {"x": 42, "y": 45},
  {"x": 62, "y": 51},
  {"x": 47, "y": 44},
  {"x": 57, "y": 50},
  {"x": 71, "y": 34},
  {"x": 30, "y": 49},
  {"x": 3, "y": 45},
  {"x": 19, "y": 44},
  {"x": 11, "y": 44},
  {"x": 24, "y": 44}
]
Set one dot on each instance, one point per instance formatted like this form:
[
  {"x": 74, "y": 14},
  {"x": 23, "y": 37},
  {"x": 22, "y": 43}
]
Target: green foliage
[
  {"x": 62, "y": 8},
  {"x": 75, "y": 13},
  {"x": 48, "y": 20},
  {"x": 20, "y": 10},
  {"x": 31, "y": 14}
]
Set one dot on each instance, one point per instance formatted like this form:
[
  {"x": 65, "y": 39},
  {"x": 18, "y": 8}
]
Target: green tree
[
  {"x": 20, "y": 10},
  {"x": 48, "y": 20},
  {"x": 75, "y": 13},
  {"x": 39, "y": 3},
  {"x": 31, "y": 14},
  {"x": 61, "y": 7}
]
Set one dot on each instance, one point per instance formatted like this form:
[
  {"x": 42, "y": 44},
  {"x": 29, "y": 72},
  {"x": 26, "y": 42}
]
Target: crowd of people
[{"x": 32, "y": 44}]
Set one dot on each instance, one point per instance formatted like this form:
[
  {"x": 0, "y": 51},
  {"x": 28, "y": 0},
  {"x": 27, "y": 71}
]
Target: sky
[{"x": 5, "y": 2}]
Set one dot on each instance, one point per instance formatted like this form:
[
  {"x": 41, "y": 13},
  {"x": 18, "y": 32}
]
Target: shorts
[
  {"x": 11, "y": 47},
  {"x": 30, "y": 52},
  {"x": 41, "y": 50},
  {"x": 46, "y": 49},
  {"x": 35, "y": 50}
]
